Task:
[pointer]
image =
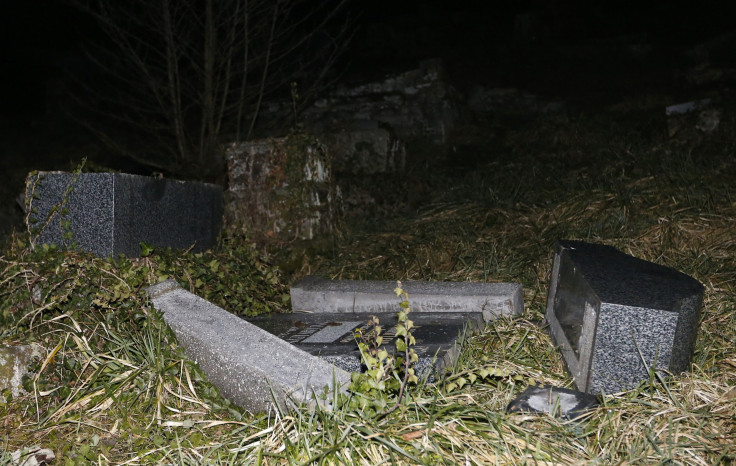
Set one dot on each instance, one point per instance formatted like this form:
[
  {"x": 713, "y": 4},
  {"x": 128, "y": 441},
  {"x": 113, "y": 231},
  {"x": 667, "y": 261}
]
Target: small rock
[
  {"x": 32, "y": 456},
  {"x": 559, "y": 402}
]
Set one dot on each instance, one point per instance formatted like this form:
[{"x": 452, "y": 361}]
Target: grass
[{"x": 114, "y": 387}]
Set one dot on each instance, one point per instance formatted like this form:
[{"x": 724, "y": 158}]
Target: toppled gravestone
[
  {"x": 327, "y": 313},
  {"x": 617, "y": 318},
  {"x": 250, "y": 367},
  {"x": 113, "y": 213},
  {"x": 331, "y": 336},
  {"x": 281, "y": 188}
]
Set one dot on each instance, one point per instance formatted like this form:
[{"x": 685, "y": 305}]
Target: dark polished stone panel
[{"x": 331, "y": 336}]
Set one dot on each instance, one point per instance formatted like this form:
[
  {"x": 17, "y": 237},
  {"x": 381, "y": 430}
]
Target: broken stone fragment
[
  {"x": 555, "y": 401},
  {"x": 33, "y": 456},
  {"x": 14, "y": 362}
]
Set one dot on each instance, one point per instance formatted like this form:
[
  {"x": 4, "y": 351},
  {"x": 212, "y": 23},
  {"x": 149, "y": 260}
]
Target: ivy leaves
[{"x": 385, "y": 380}]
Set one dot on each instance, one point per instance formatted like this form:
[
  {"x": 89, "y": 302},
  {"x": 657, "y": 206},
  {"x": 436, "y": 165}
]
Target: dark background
[
  {"x": 580, "y": 52},
  {"x": 491, "y": 42}
]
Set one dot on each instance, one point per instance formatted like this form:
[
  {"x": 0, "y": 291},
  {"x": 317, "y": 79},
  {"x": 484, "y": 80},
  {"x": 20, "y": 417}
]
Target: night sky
[
  {"x": 489, "y": 43},
  {"x": 40, "y": 40}
]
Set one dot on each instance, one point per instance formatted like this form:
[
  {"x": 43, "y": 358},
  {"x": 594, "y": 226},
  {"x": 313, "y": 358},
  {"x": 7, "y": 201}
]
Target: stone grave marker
[
  {"x": 615, "y": 317},
  {"x": 295, "y": 356},
  {"x": 250, "y": 366},
  {"x": 112, "y": 213},
  {"x": 327, "y": 312},
  {"x": 331, "y": 336}
]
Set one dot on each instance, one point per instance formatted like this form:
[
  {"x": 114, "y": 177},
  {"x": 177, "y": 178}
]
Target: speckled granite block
[
  {"x": 615, "y": 316},
  {"x": 112, "y": 213}
]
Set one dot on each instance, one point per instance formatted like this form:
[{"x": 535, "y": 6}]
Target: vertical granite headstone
[
  {"x": 616, "y": 317},
  {"x": 112, "y": 213}
]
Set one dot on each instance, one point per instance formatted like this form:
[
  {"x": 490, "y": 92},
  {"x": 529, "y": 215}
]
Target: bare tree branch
[{"x": 180, "y": 73}]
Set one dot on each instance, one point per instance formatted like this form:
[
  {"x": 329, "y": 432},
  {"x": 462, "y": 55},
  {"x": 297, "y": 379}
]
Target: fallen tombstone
[
  {"x": 616, "y": 317},
  {"x": 250, "y": 366},
  {"x": 317, "y": 294},
  {"x": 331, "y": 336},
  {"x": 327, "y": 313},
  {"x": 109, "y": 214},
  {"x": 558, "y": 402},
  {"x": 297, "y": 355}
]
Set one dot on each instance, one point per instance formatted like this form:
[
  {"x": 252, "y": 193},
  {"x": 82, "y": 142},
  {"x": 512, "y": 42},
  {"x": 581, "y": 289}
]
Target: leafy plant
[
  {"x": 36, "y": 226},
  {"x": 385, "y": 380}
]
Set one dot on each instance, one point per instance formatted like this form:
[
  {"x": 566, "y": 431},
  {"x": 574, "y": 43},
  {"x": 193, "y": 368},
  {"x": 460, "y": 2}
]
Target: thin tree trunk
[
  {"x": 265, "y": 71},
  {"x": 208, "y": 104},
  {"x": 244, "y": 81},
  {"x": 172, "y": 68}
]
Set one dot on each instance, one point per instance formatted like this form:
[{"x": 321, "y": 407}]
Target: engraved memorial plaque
[{"x": 332, "y": 336}]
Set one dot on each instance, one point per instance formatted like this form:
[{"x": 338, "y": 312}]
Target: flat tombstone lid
[{"x": 333, "y": 334}]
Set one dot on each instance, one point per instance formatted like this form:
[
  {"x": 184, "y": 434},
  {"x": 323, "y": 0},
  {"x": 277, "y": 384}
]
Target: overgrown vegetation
[
  {"x": 113, "y": 386},
  {"x": 387, "y": 376},
  {"x": 113, "y": 377}
]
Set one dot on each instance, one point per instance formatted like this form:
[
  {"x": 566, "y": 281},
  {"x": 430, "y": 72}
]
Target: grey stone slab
[
  {"x": 555, "y": 401},
  {"x": 317, "y": 294},
  {"x": 112, "y": 213},
  {"x": 331, "y": 336},
  {"x": 615, "y": 316},
  {"x": 247, "y": 364}
]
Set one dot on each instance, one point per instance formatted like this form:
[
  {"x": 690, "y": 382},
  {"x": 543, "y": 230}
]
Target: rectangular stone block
[
  {"x": 331, "y": 336},
  {"x": 319, "y": 295},
  {"x": 112, "y": 213},
  {"x": 615, "y": 317},
  {"x": 247, "y": 364}
]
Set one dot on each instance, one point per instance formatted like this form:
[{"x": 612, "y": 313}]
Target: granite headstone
[
  {"x": 112, "y": 213},
  {"x": 617, "y": 317}
]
